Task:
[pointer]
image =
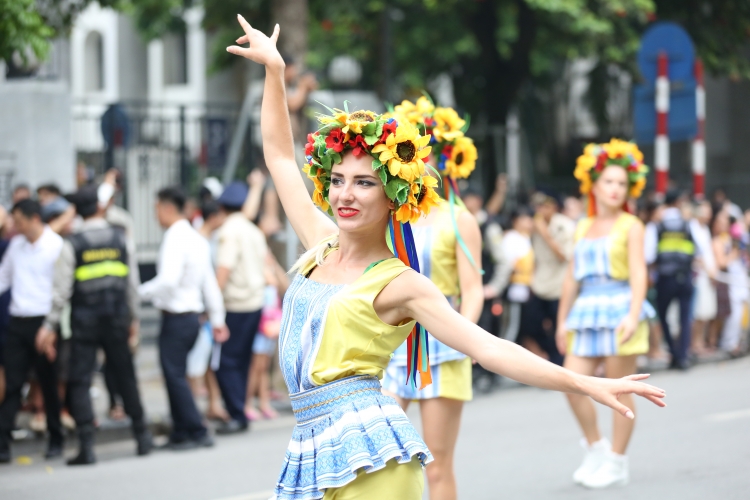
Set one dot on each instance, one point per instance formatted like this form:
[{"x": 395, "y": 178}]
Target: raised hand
[
  {"x": 607, "y": 392},
  {"x": 262, "y": 48}
]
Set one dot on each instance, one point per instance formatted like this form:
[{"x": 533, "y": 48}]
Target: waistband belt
[{"x": 315, "y": 403}]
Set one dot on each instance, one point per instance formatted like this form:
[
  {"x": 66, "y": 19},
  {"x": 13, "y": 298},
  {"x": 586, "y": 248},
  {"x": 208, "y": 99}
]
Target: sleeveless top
[
  {"x": 602, "y": 269},
  {"x": 329, "y": 332},
  {"x": 436, "y": 250},
  {"x": 333, "y": 348}
]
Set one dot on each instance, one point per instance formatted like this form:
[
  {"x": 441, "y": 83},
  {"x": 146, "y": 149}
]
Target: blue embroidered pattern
[
  {"x": 602, "y": 302},
  {"x": 304, "y": 308},
  {"x": 343, "y": 425}
]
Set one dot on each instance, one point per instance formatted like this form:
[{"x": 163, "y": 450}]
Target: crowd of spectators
[
  {"x": 70, "y": 287},
  {"x": 697, "y": 253},
  {"x": 219, "y": 288}
]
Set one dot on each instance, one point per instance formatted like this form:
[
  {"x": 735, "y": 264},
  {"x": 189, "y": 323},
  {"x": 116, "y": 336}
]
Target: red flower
[
  {"x": 358, "y": 145},
  {"x": 335, "y": 140},
  {"x": 448, "y": 151},
  {"x": 310, "y": 144},
  {"x": 388, "y": 129}
]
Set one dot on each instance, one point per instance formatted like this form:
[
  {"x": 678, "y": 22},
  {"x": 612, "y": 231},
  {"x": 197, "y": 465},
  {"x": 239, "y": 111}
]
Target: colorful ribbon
[{"x": 417, "y": 350}]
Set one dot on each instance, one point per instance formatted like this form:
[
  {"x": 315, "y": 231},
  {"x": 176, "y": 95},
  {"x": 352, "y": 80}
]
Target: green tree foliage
[
  {"x": 21, "y": 29},
  {"x": 491, "y": 47},
  {"x": 720, "y": 30}
]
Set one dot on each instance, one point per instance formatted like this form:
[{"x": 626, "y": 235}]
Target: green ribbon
[{"x": 461, "y": 243}]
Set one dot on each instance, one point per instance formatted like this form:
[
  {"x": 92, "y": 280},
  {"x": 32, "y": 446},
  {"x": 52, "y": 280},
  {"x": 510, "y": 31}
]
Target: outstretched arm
[
  {"x": 278, "y": 146},
  {"x": 411, "y": 295}
]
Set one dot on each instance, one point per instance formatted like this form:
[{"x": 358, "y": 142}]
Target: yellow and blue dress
[
  {"x": 451, "y": 369},
  {"x": 333, "y": 349},
  {"x": 601, "y": 268}
]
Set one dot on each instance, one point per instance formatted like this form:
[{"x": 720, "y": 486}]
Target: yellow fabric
[
  {"x": 523, "y": 271},
  {"x": 618, "y": 243},
  {"x": 101, "y": 269},
  {"x": 395, "y": 481},
  {"x": 355, "y": 340},
  {"x": 638, "y": 343},
  {"x": 455, "y": 380},
  {"x": 444, "y": 266}
]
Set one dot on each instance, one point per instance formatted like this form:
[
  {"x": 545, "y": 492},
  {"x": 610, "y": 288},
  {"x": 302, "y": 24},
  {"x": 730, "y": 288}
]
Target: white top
[
  {"x": 515, "y": 246},
  {"x": 185, "y": 279},
  {"x": 28, "y": 268},
  {"x": 702, "y": 237}
]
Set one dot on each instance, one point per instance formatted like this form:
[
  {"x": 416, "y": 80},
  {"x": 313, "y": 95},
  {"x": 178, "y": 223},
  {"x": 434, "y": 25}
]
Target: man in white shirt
[
  {"x": 184, "y": 283},
  {"x": 28, "y": 267}
]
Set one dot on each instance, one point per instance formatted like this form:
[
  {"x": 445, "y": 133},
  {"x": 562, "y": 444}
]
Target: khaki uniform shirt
[
  {"x": 549, "y": 271},
  {"x": 242, "y": 249}
]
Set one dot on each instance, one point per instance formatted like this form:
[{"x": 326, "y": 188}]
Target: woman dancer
[
  {"x": 603, "y": 312},
  {"x": 352, "y": 303},
  {"x": 449, "y": 246}
]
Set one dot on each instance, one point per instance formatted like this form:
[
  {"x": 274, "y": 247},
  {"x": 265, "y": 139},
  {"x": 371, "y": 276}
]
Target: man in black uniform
[
  {"x": 672, "y": 247},
  {"x": 93, "y": 273}
]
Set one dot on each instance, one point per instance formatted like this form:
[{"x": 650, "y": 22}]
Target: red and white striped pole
[
  {"x": 661, "y": 146},
  {"x": 699, "y": 143}
]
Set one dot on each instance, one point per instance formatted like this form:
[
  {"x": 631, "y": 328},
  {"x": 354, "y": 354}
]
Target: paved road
[{"x": 515, "y": 444}]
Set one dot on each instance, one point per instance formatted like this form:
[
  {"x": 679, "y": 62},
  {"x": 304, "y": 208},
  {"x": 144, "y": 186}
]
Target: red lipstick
[{"x": 347, "y": 212}]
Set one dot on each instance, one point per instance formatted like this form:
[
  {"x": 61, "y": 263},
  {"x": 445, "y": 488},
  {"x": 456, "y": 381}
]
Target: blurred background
[
  {"x": 142, "y": 94},
  {"x": 146, "y": 86}
]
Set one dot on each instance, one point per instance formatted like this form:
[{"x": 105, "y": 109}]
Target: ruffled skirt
[
  {"x": 342, "y": 427},
  {"x": 597, "y": 312}
]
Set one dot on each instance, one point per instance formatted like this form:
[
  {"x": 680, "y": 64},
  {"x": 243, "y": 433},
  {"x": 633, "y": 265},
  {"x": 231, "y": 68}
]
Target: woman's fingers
[
  {"x": 242, "y": 40},
  {"x": 621, "y": 408},
  {"x": 245, "y": 25},
  {"x": 275, "y": 34},
  {"x": 656, "y": 400},
  {"x": 638, "y": 376}
]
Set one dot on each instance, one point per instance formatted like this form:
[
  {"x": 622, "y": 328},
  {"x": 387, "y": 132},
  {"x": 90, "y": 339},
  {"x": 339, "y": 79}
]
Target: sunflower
[
  {"x": 618, "y": 149},
  {"x": 462, "y": 160},
  {"x": 584, "y": 164},
  {"x": 318, "y": 196},
  {"x": 448, "y": 125},
  {"x": 596, "y": 157},
  {"x": 427, "y": 197},
  {"x": 355, "y": 121},
  {"x": 403, "y": 152},
  {"x": 408, "y": 213},
  {"x": 338, "y": 117},
  {"x": 406, "y": 112},
  {"x": 637, "y": 188}
]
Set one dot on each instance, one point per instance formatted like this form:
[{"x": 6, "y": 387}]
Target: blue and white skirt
[
  {"x": 342, "y": 427},
  {"x": 597, "y": 312}
]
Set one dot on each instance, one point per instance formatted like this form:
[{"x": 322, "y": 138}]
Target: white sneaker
[
  {"x": 594, "y": 458},
  {"x": 613, "y": 472}
]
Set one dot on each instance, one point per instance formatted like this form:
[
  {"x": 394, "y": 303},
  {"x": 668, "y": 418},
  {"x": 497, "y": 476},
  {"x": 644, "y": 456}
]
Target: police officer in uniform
[
  {"x": 671, "y": 247},
  {"x": 93, "y": 273}
]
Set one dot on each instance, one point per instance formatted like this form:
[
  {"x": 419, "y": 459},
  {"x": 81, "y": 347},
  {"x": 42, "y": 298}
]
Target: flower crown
[
  {"x": 455, "y": 153},
  {"x": 596, "y": 157},
  {"x": 398, "y": 151}
]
